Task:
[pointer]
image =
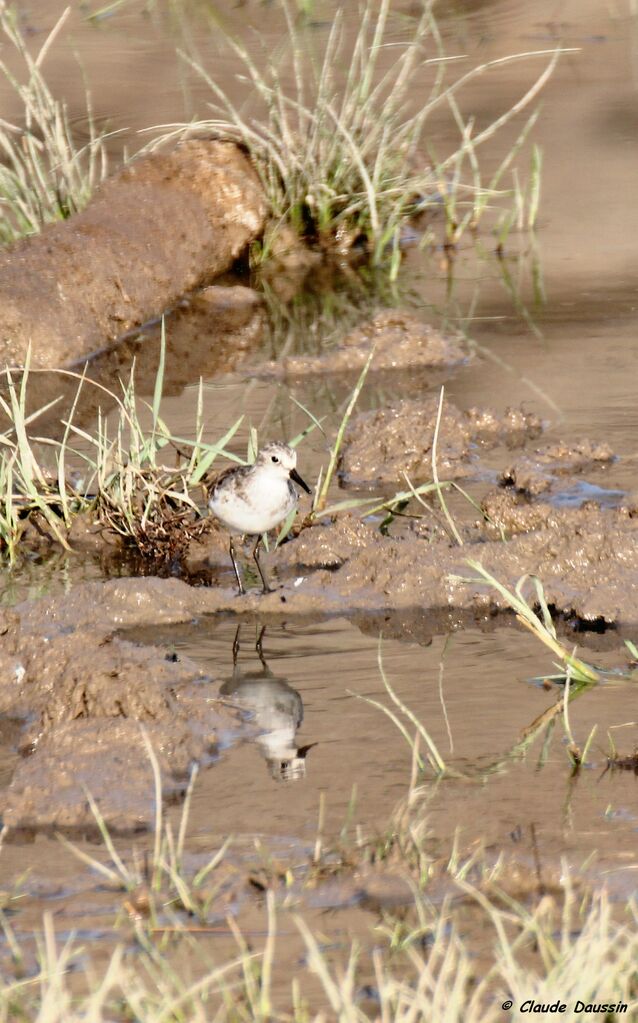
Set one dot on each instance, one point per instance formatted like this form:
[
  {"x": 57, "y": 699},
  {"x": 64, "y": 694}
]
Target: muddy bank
[
  {"x": 383, "y": 446},
  {"x": 586, "y": 559},
  {"x": 82, "y": 698},
  {"x": 153, "y": 232}
]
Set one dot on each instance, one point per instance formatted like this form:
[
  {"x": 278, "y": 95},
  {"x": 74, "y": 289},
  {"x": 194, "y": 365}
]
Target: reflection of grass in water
[
  {"x": 327, "y": 307},
  {"x": 43, "y": 176},
  {"x": 519, "y": 273},
  {"x": 578, "y": 676},
  {"x": 343, "y": 161},
  {"x": 540, "y": 625}
]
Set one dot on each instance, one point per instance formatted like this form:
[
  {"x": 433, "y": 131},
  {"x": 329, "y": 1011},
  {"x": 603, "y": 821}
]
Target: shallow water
[
  {"x": 554, "y": 325},
  {"x": 472, "y": 692}
]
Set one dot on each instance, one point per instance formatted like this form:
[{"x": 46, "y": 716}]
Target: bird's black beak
[{"x": 294, "y": 475}]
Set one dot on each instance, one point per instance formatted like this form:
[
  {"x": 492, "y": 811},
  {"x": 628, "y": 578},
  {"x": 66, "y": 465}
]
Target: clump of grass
[
  {"x": 29, "y": 489},
  {"x": 116, "y": 475},
  {"x": 342, "y": 156},
  {"x": 44, "y": 176},
  {"x": 150, "y": 505}
]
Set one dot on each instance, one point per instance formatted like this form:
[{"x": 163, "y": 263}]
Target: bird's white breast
[{"x": 261, "y": 502}]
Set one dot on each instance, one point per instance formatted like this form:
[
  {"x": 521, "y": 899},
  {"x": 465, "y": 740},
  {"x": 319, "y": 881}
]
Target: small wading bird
[{"x": 250, "y": 500}]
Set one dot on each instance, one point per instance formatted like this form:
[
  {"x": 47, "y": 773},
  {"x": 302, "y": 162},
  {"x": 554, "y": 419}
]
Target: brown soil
[
  {"x": 153, "y": 232},
  {"x": 536, "y": 472},
  {"x": 383, "y": 446},
  {"x": 83, "y": 697}
]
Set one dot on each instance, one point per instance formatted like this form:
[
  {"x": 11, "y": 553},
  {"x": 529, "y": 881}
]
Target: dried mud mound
[
  {"x": 400, "y": 341},
  {"x": 383, "y": 446}
]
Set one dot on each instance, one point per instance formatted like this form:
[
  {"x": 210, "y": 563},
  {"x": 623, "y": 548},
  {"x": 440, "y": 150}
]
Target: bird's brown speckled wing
[{"x": 239, "y": 471}]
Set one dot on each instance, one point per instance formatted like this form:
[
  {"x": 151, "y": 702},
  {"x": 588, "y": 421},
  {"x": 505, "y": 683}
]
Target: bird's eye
[{"x": 274, "y": 458}]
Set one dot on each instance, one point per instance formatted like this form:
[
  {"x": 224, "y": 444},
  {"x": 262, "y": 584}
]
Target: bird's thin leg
[
  {"x": 266, "y": 587},
  {"x": 236, "y": 646},
  {"x": 236, "y": 568},
  {"x": 259, "y": 646}
]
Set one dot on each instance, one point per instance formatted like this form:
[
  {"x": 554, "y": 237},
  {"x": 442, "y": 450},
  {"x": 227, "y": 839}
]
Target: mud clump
[
  {"x": 84, "y": 697},
  {"x": 106, "y": 758},
  {"x": 118, "y": 603},
  {"x": 65, "y": 679},
  {"x": 511, "y": 512},
  {"x": 400, "y": 341},
  {"x": 383, "y": 446},
  {"x": 536, "y": 473},
  {"x": 329, "y": 545}
]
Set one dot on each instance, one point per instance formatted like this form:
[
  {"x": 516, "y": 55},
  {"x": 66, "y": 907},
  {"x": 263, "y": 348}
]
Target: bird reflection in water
[{"x": 276, "y": 708}]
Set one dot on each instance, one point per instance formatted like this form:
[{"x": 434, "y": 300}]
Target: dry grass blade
[
  {"x": 321, "y": 493},
  {"x": 542, "y": 627}
]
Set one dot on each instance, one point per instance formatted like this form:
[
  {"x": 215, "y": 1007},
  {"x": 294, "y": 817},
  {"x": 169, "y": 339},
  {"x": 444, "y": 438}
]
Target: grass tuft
[
  {"x": 342, "y": 155},
  {"x": 44, "y": 176},
  {"x": 117, "y": 475}
]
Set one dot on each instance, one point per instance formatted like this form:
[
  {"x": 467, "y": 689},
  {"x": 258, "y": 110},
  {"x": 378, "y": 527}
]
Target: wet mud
[
  {"x": 153, "y": 232},
  {"x": 586, "y": 559},
  {"x": 537, "y": 471},
  {"x": 82, "y": 698},
  {"x": 384, "y": 446}
]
